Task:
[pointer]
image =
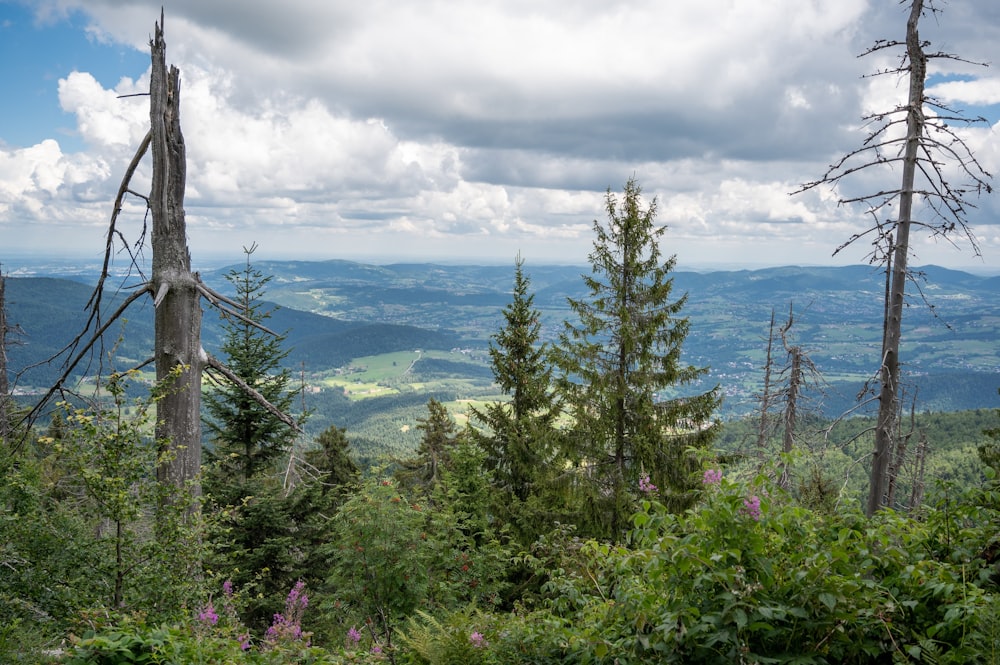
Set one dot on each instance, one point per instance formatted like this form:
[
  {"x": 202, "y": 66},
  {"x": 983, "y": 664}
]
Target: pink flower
[
  {"x": 478, "y": 640},
  {"x": 208, "y": 615},
  {"x": 751, "y": 507},
  {"x": 711, "y": 477},
  {"x": 354, "y": 635},
  {"x": 227, "y": 588},
  {"x": 297, "y": 597},
  {"x": 645, "y": 485},
  {"x": 289, "y": 625}
]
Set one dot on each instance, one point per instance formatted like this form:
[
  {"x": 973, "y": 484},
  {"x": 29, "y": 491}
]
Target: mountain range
[{"x": 336, "y": 311}]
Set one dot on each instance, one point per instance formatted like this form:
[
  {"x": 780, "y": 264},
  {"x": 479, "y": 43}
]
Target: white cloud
[
  {"x": 410, "y": 126},
  {"x": 978, "y": 92}
]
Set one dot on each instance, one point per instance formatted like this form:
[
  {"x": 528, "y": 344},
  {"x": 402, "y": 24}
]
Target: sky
[{"x": 469, "y": 132}]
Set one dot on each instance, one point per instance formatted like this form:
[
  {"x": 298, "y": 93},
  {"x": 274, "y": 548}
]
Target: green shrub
[{"x": 747, "y": 577}]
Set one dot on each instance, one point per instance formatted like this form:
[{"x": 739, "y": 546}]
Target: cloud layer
[{"x": 469, "y": 131}]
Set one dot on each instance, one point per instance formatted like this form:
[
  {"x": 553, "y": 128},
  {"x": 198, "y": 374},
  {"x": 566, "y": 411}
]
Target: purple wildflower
[
  {"x": 297, "y": 597},
  {"x": 208, "y": 615},
  {"x": 645, "y": 485},
  {"x": 289, "y": 625},
  {"x": 751, "y": 507},
  {"x": 354, "y": 635},
  {"x": 245, "y": 641},
  {"x": 376, "y": 649},
  {"x": 227, "y": 588},
  {"x": 711, "y": 477},
  {"x": 478, "y": 640}
]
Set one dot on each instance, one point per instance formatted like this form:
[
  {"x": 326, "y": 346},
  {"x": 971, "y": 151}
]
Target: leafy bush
[
  {"x": 745, "y": 577},
  {"x": 214, "y": 635}
]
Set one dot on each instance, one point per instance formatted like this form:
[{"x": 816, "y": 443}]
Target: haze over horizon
[{"x": 404, "y": 131}]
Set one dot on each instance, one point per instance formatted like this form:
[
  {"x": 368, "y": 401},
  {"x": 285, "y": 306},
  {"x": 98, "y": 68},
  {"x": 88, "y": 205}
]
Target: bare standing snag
[{"x": 929, "y": 152}]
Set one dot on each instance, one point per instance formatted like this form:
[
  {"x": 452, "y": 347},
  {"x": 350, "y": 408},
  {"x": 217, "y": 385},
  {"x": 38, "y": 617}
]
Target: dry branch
[{"x": 221, "y": 368}]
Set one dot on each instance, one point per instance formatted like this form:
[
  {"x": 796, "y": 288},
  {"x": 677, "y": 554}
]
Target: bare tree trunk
[
  {"x": 764, "y": 426},
  {"x": 886, "y": 425},
  {"x": 178, "y": 353},
  {"x": 792, "y": 393},
  {"x": 4, "y": 385},
  {"x": 899, "y": 453},
  {"x": 917, "y": 493}
]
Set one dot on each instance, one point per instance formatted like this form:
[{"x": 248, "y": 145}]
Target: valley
[{"x": 373, "y": 343}]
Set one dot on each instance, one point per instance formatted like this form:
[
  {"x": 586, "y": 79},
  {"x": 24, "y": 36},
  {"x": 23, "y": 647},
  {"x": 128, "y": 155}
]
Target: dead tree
[
  {"x": 766, "y": 396},
  {"x": 4, "y": 385},
  {"x": 797, "y": 374},
  {"x": 176, "y": 290},
  {"x": 791, "y": 401},
  {"x": 784, "y": 386},
  {"x": 178, "y": 354},
  {"x": 920, "y": 137}
]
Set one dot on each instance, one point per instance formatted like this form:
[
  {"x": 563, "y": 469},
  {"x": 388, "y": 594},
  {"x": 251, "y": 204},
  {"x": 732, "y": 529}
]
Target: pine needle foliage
[
  {"x": 624, "y": 349},
  {"x": 246, "y": 438},
  {"x": 517, "y": 434}
]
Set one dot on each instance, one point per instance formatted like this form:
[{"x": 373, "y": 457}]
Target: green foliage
[
  {"x": 47, "y": 548},
  {"x": 381, "y": 558},
  {"x": 331, "y": 459},
  {"x": 105, "y": 459},
  {"x": 273, "y": 536},
  {"x": 465, "y": 637},
  {"x": 625, "y": 349},
  {"x": 747, "y": 577},
  {"x": 215, "y": 635},
  {"x": 434, "y": 453},
  {"x": 392, "y": 553},
  {"x": 989, "y": 452},
  {"x": 78, "y": 542},
  {"x": 255, "y": 544},
  {"x": 519, "y": 434},
  {"x": 246, "y": 437}
]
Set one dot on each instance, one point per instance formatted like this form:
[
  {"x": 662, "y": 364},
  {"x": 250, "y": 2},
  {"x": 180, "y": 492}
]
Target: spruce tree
[
  {"x": 332, "y": 460},
  {"x": 517, "y": 435},
  {"x": 246, "y": 438},
  {"x": 518, "y": 431},
  {"x": 433, "y": 455},
  {"x": 624, "y": 349}
]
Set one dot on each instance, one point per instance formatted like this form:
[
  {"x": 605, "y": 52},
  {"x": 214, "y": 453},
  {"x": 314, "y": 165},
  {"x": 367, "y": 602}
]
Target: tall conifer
[
  {"x": 518, "y": 434},
  {"x": 433, "y": 455},
  {"x": 614, "y": 361},
  {"x": 246, "y": 438}
]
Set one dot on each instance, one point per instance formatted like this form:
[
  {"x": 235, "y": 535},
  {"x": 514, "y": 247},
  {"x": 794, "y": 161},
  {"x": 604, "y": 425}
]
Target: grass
[{"x": 389, "y": 373}]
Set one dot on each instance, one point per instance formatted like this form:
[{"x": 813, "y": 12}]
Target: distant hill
[
  {"x": 51, "y": 312},
  {"x": 951, "y": 351},
  {"x": 335, "y": 311}
]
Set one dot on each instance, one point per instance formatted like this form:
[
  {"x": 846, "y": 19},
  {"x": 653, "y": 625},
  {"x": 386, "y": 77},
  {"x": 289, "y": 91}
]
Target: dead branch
[
  {"x": 73, "y": 362},
  {"x": 215, "y": 298},
  {"x": 220, "y": 367}
]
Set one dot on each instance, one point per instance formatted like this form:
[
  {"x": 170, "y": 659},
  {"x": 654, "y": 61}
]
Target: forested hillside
[
  {"x": 336, "y": 311},
  {"x": 51, "y": 312},
  {"x": 518, "y": 497}
]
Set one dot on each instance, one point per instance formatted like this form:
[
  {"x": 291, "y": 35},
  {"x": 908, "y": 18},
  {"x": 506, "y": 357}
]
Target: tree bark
[
  {"x": 887, "y": 423},
  {"x": 178, "y": 353},
  {"x": 764, "y": 425},
  {"x": 4, "y": 386}
]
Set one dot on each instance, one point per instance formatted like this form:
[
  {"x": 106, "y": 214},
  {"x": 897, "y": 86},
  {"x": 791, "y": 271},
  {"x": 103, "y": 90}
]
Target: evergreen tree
[
  {"x": 433, "y": 454},
  {"x": 625, "y": 348},
  {"x": 246, "y": 437},
  {"x": 518, "y": 435},
  {"x": 332, "y": 460}
]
